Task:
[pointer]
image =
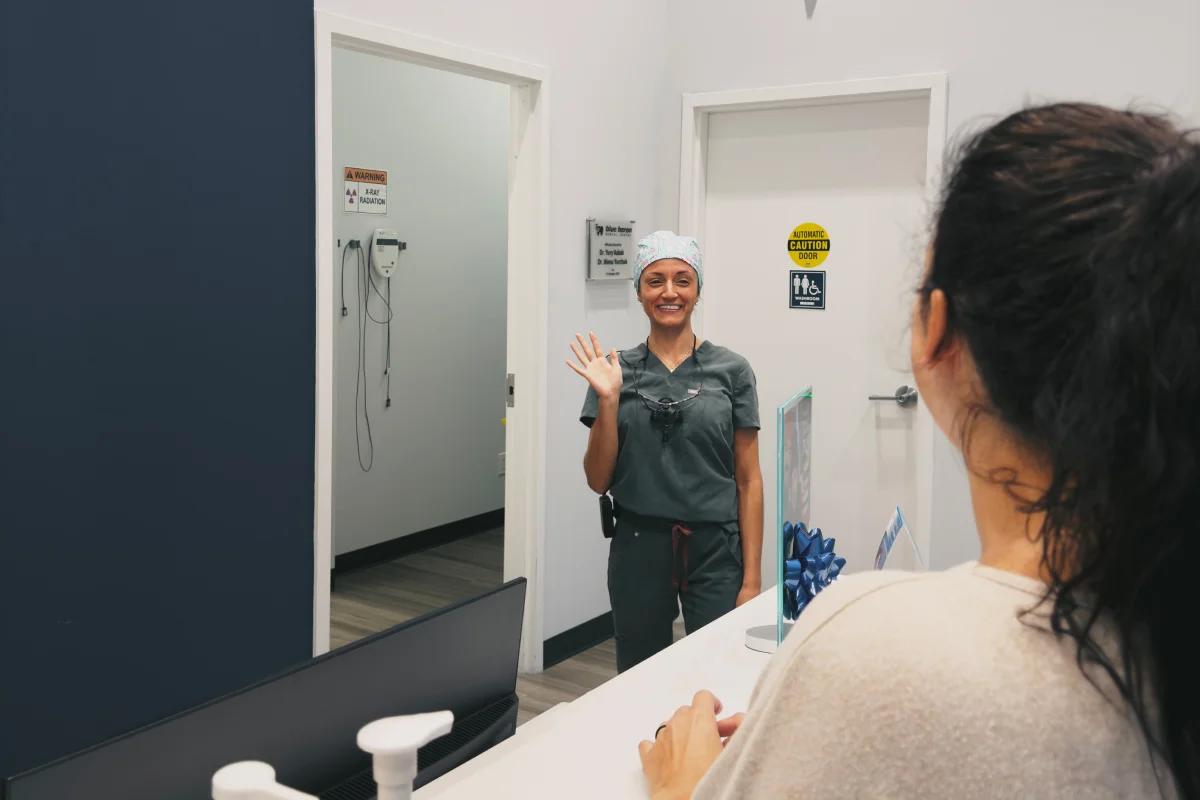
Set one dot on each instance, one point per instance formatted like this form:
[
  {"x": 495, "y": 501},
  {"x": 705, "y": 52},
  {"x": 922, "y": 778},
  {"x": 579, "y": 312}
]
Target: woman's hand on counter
[{"x": 686, "y": 747}]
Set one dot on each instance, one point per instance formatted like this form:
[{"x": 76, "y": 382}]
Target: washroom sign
[{"x": 366, "y": 190}]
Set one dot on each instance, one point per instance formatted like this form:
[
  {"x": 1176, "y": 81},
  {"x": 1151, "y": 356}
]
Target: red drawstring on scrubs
[{"x": 679, "y": 535}]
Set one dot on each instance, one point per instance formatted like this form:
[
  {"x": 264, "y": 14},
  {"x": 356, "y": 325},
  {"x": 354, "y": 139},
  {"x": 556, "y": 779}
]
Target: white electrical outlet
[{"x": 501, "y": 458}]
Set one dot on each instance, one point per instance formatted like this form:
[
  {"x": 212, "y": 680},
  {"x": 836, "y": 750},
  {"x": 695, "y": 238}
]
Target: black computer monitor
[{"x": 304, "y": 721}]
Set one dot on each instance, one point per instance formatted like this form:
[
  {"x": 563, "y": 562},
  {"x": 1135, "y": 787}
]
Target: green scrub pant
[{"x": 655, "y": 566}]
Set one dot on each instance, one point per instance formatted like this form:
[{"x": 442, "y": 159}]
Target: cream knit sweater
[{"x": 929, "y": 685}]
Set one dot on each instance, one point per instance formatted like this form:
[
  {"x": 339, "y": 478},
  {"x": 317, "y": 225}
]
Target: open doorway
[
  {"x": 420, "y": 233},
  {"x": 436, "y": 495}
]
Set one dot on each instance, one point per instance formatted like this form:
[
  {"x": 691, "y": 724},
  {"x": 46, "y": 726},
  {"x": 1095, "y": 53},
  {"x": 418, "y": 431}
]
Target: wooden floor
[{"x": 377, "y": 597}]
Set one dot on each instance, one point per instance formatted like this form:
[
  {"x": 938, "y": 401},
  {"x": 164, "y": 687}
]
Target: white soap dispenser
[
  {"x": 393, "y": 742},
  {"x": 251, "y": 780}
]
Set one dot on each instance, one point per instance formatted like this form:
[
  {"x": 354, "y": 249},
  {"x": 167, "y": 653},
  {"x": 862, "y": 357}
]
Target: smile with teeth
[{"x": 670, "y": 307}]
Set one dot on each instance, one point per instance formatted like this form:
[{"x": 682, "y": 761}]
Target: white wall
[
  {"x": 607, "y": 64},
  {"x": 443, "y": 139},
  {"x": 998, "y": 56}
]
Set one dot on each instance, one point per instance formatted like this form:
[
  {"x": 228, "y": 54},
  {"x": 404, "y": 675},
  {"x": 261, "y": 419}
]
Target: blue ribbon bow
[{"x": 809, "y": 565}]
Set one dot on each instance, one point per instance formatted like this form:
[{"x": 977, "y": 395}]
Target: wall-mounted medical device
[
  {"x": 382, "y": 258},
  {"x": 385, "y": 251}
]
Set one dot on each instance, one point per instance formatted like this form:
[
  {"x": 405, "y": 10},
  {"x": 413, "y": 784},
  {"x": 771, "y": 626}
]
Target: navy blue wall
[{"x": 156, "y": 360}]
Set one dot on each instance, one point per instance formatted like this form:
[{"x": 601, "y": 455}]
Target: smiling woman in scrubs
[{"x": 674, "y": 439}]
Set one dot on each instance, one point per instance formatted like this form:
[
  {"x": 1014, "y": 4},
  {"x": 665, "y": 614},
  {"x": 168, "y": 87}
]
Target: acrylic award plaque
[
  {"x": 793, "y": 485},
  {"x": 897, "y": 548}
]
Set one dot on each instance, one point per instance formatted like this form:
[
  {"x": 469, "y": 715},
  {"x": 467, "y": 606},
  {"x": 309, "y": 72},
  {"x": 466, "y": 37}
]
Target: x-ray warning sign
[{"x": 366, "y": 190}]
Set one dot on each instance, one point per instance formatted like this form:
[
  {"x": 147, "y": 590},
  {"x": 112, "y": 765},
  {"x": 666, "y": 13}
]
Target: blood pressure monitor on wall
[{"x": 385, "y": 251}]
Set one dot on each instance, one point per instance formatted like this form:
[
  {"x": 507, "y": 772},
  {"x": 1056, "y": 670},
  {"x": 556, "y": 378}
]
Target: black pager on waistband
[{"x": 608, "y": 522}]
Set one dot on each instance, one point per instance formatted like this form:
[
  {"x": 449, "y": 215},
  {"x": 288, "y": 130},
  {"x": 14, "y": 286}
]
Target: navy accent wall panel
[{"x": 157, "y": 304}]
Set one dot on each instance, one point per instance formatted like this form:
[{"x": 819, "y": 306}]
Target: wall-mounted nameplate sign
[{"x": 610, "y": 249}]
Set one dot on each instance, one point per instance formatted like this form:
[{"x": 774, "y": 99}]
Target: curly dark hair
[{"x": 1068, "y": 247}]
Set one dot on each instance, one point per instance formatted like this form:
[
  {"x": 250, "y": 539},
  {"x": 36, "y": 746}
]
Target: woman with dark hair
[{"x": 1056, "y": 340}]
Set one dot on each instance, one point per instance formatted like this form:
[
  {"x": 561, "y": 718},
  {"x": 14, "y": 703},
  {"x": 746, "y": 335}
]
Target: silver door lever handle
[{"x": 904, "y": 396}]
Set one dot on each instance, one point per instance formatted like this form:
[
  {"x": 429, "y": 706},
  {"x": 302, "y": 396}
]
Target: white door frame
[
  {"x": 693, "y": 162},
  {"x": 528, "y": 234}
]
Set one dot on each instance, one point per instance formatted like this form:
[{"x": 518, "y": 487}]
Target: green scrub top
[{"x": 688, "y": 477}]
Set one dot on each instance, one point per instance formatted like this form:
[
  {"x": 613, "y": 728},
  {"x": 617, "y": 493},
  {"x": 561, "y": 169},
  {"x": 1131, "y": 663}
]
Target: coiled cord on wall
[{"x": 362, "y": 413}]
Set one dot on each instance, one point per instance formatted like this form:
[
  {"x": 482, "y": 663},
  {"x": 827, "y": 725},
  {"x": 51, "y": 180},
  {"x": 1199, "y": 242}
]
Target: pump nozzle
[{"x": 393, "y": 742}]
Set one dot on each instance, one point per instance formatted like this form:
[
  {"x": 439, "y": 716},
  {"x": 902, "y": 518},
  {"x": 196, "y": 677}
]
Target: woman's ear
[{"x": 934, "y": 324}]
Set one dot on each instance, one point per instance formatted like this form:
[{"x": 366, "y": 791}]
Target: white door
[{"x": 858, "y": 170}]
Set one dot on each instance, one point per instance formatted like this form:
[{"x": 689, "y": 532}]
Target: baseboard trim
[
  {"x": 574, "y": 641},
  {"x": 416, "y": 542}
]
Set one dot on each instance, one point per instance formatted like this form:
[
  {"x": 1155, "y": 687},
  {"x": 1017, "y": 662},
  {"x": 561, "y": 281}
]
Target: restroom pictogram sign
[{"x": 806, "y": 289}]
